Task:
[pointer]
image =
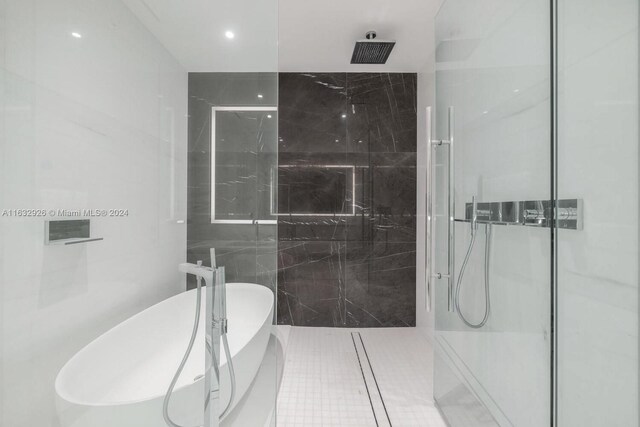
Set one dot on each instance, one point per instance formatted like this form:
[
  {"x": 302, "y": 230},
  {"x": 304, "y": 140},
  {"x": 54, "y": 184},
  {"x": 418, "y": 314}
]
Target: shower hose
[
  {"x": 487, "y": 250},
  {"x": 225, "y": 344}
]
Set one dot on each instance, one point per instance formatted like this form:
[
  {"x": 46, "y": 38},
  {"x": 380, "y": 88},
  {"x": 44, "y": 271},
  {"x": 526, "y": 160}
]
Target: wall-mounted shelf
[
  {"x": 68, "y": 232},
  {"x": 532, "y": 213},
  {"x": 74, "y": 241}
]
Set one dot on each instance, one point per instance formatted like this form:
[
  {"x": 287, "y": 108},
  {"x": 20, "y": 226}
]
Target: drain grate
[{"x": 378, "y": 406}]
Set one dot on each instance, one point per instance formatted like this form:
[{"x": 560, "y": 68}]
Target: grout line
[
  {"x": 374, "y": 378},
  {"x": 364, "y": 379}
]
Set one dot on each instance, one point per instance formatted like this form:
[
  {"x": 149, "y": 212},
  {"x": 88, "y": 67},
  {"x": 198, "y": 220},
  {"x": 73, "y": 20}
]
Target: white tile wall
[
  {"x": 91, "y": 122},
  {"x": 598, "y": 161}
]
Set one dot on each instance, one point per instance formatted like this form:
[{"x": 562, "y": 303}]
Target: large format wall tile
[
  {"x": 347, "y": 180},
  {"x": 311, "y": 283},
  {"x": 311, "y": 107},
  {"x": 349, "y": 140}
]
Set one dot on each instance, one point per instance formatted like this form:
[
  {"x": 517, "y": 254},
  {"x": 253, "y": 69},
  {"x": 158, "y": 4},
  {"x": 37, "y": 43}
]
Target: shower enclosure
[{"x": 536, "y": 121}]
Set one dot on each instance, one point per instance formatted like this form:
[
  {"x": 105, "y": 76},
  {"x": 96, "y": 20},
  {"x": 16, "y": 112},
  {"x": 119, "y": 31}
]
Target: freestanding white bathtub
[{"x": 120, "y": 378}]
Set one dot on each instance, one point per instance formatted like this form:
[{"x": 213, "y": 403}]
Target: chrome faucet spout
[{"x": 198, "y": 270}]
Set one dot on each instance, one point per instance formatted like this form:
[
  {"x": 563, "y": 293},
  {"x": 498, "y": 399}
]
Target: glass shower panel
[
  {"x": 233, "y": 147},
  {"x": 105, "y": 190},
  {"x": 493, "y": 68},
  {"x": 598, "y": 161}
]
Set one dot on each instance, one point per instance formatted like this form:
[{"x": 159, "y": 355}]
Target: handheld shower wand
[
  {"x": 194, "y": 333},
  {"x": 487, "y": 250}
]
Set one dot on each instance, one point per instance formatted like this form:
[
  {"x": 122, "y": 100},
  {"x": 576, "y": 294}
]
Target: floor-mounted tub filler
[{"x": 120, "y": 379}]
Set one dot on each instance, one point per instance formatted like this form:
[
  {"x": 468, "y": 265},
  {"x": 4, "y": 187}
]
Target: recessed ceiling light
[
  {"x": 260, "y": 96},
  {"x": 268, "y": 116},
  {"x": 229, "y": 34},
  {"x": 76, "y": 35},
  {"x": 344, "y": 116}
]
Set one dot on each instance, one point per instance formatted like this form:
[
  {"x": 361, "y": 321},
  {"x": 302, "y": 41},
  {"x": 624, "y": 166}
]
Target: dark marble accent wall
[
  {"x": 347, "y": 199},
  {"x": 248, "y": 252}
]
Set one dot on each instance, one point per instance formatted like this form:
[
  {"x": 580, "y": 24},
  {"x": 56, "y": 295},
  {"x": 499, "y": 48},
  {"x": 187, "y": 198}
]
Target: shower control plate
[{"x": 533, "y": 213}]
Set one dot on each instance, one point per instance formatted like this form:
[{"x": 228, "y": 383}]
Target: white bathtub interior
[{"x": 134, "y": 362}]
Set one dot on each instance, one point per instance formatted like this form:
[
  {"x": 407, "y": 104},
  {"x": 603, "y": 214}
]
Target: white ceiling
[
  {"x": 194, "y": 32},
  {"x": 289, "y": 35}
]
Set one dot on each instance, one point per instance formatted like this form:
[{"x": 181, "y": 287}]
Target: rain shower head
[{"x": 372, "y": 51}]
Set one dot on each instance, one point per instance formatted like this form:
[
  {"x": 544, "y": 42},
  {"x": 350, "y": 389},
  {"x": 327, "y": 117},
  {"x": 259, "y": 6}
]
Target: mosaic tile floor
[{"x": 357, "y": 378}]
